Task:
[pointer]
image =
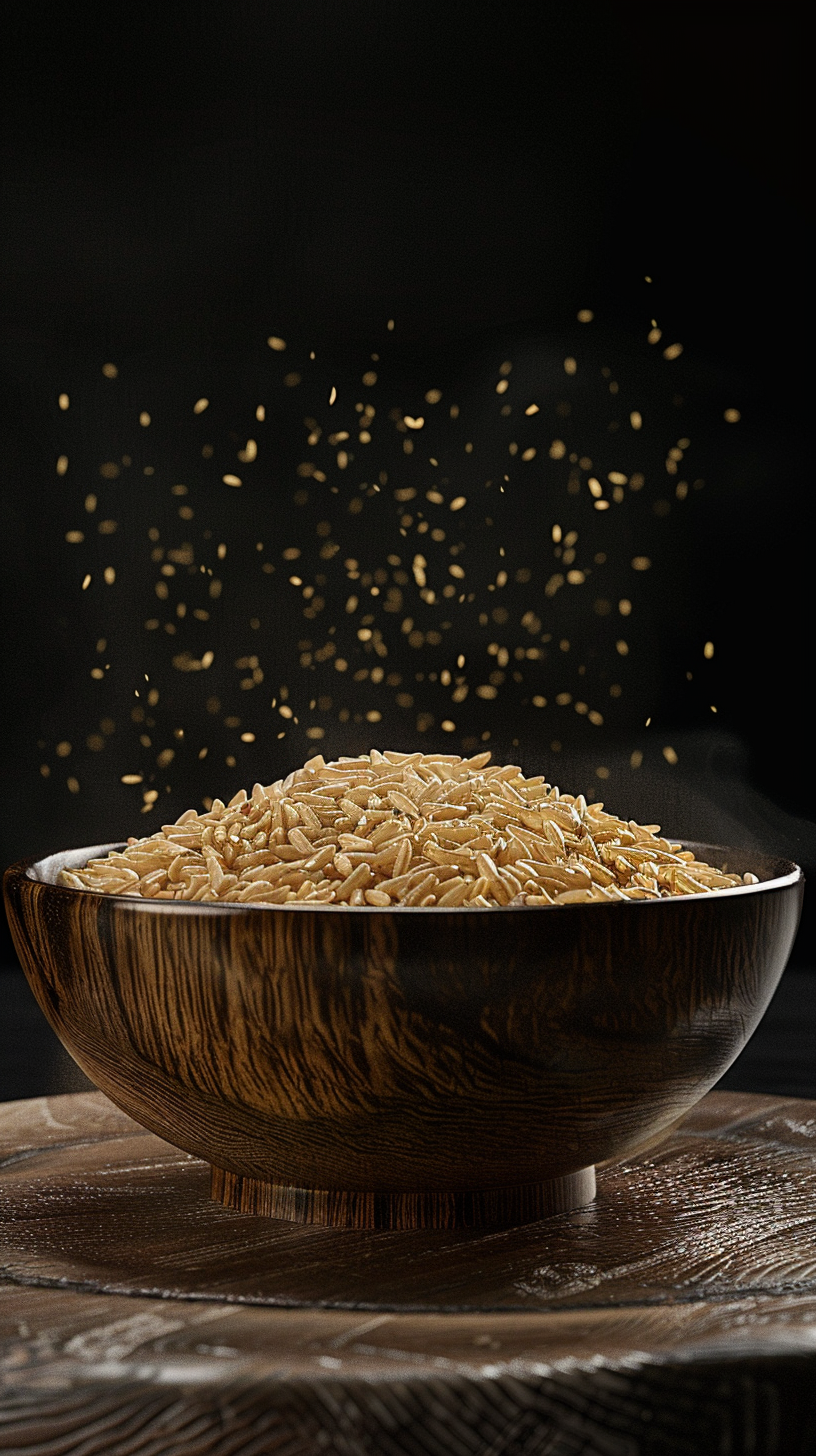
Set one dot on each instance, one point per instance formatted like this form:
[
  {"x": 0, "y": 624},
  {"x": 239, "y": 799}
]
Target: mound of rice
[{"x": 416, "y": 829}]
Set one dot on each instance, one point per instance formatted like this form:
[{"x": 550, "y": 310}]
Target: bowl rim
[{"x": 27, "y": 870}]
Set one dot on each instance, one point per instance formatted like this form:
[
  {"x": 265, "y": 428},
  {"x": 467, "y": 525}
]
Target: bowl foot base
[{"x": 483, "y": 1208}]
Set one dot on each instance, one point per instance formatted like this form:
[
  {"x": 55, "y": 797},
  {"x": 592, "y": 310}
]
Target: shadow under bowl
[{"x": 400, "y": 1067}]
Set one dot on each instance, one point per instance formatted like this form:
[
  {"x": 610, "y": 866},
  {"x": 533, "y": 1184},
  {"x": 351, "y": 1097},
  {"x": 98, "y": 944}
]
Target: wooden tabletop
[{"x": 675, "y": 1314}]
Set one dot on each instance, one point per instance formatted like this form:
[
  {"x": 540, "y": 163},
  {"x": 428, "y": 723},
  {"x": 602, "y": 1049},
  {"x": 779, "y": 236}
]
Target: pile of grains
[{"x": 403, "y": 829}]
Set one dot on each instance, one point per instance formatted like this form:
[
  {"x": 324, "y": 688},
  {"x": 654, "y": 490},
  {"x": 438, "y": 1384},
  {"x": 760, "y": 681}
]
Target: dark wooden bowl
[{"x": 395, "y": 1067}]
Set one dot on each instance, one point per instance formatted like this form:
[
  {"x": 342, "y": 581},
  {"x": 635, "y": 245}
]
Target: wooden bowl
[{"x": 399, "y": 1067}]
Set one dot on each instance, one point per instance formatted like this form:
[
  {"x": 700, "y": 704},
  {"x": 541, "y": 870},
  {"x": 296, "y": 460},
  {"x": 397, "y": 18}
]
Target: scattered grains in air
[{"x": 396, "y": 588}]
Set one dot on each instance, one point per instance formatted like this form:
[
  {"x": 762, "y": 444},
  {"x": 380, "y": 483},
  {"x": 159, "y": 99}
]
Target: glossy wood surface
[
  {"x": 406, "y": 1052},
  {"x": 675, "y": 1315},
  {"x": 476, "y": 1208}
]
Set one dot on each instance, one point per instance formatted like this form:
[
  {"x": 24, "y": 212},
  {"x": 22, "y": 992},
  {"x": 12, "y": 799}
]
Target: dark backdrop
[{"x": 182, "y": 182}]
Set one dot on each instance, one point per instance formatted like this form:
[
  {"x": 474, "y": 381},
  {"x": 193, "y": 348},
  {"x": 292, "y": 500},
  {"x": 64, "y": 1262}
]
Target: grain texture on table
[{"x": 677, "y": 1314}]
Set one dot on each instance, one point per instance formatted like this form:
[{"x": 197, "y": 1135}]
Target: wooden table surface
[{"x": 677, "y": 1314}]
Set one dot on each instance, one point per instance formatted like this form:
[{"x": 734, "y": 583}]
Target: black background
[{"x": 182, "y": 180}]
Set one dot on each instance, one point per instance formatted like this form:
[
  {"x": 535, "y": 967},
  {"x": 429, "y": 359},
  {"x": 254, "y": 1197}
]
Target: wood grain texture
[
  {"x": 419, "y": 1052},
  {"x": 138, "y": 1318},
  {"x": 726, "y": 1205},
  {"x": 490, "y": 1208}
]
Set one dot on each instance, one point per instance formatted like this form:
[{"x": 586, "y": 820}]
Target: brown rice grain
[{"x": 406, "y": 829}]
